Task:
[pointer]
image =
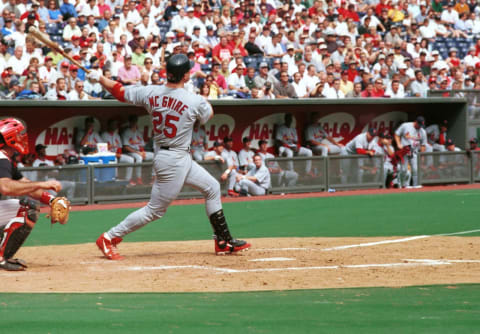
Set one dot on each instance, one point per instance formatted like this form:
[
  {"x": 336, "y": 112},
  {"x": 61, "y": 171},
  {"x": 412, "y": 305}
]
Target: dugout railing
[{"x": 102, "y": 183}]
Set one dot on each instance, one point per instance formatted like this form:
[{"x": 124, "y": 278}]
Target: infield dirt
[{"x": 271, "y": 264}]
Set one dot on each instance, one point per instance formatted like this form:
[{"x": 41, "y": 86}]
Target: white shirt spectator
[
  {"x": 18, "y": 65},
  {"x": 450, "y": 16},
  {"x": 300, "y": 88},
  {"x": 236, "y": 81},
  {"x": 428, "y": 31},
  {"x": 87, "y": 11},
  {"x": 73, "y": 96},
  {"x": 46, "y": 75},
  {"x": 274, "y": 49},
  {"x": 398, "y": 95},
  {"x": 331, "y": 93},
  {"x": 310, "y": 81}
]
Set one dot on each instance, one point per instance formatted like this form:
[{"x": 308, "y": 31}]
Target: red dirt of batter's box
[{"x": 276, "y": 197}]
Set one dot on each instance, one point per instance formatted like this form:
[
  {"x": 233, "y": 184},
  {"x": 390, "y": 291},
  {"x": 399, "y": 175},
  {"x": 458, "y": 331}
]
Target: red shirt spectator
[
  {"x": 382, "y": 5},
  {"x": 222, "y": 51},
  {"x": 351, "y": 13}
]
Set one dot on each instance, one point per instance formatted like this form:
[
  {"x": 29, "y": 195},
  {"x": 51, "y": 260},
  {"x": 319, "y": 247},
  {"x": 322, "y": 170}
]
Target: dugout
[{"x": 55, "y": 123}]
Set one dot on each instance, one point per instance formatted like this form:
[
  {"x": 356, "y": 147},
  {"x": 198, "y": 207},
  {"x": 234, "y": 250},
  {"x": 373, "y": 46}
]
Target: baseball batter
[
  {"x": 112, "y": 138},
  {"x": 290, "y": 146},
  {"x": 199, "y": 142},
  {"x": 17, "y": 217},
  {"x": 174, "y": 111},
  {"x": 411, "y": 134}
]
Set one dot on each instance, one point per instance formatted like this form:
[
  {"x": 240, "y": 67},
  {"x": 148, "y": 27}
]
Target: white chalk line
[
  {"x": 383, "y": 242},
  {"x": 273, "y": 259},
  {"x": 408, "y": 263}
]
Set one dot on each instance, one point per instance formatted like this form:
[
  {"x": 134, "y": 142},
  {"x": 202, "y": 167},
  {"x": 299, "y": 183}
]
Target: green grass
[
  {"x": 430, "y": 309},
  {"x": 368, "y": 215}
]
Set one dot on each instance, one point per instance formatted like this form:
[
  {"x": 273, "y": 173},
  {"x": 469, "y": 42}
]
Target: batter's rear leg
[{"x": 201, "y": 180}]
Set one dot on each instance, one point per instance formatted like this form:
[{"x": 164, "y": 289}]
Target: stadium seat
[{"x": 52, "y": 29}]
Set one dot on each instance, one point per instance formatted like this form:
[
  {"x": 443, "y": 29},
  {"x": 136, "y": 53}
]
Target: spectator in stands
[
  {"x": 222, "y": 51},
  {"x": 356, "y": 92},
  {"x": 419, "y": 86},
  {"x": 18, "y": 62},
  {"x": 59, "y": 91},
  {"x": 394, "y": 91},
  {"x": 71, "y": 29},
  {"x": 128, "y": 74},
  {"x": 299, "y": 86},
  {"x": 78, "y": 94},
  {"x": 236, "y": 83},
  {"x": 67, "y": 10},
  {"x": 55, "y": 16},
  {"x": 134, "y": 146},
  {"x": 284, "y": 89},
  {"x": 334, "y": 91}
]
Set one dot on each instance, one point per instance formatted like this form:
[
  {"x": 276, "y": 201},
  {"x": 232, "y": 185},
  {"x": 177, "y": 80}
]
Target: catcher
[{"x": 18, "y": 217}]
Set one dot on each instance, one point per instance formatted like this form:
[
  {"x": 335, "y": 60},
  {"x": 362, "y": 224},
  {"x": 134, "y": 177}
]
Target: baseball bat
[{"x": 45, "y": 39}]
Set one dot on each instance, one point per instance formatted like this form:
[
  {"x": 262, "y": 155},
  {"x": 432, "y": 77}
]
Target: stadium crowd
[{"x": 260, "y": 49}]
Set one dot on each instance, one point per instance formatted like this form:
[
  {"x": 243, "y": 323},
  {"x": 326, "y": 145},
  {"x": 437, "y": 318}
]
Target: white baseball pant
[
  {"x": 138, "y": 159},
  {"x": 173, "y": 169},
  {"x": 302, "y": 152}
]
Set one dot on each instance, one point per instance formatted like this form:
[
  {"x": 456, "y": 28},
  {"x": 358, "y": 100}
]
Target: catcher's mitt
[{"x": 59, "y": 210}]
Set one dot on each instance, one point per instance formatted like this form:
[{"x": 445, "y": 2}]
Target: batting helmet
[
  {"x": 14, "y": 135},
  {"x": 177, "y": 66}
]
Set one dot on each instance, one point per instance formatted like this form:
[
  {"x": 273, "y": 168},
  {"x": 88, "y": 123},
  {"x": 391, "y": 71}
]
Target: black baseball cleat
[
  {"x": 12, "y": 265},
  {"x": 230, "y": 247}
]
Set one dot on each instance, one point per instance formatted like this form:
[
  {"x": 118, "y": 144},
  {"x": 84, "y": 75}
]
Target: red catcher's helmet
[{"x": 14, "y": 134}]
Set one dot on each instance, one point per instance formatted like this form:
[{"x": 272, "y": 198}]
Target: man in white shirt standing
[{"x": 299, "y": 85}]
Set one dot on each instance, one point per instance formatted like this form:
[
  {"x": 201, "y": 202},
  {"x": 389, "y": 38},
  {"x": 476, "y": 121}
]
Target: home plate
[{"x": 273, "y": 259}]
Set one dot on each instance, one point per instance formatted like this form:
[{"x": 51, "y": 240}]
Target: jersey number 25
[{"x": 169, "y": 129}]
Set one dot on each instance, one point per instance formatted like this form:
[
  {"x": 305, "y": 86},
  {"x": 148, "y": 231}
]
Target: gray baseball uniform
[
  {"x": 387, "y": 160},
  {"x": 245, "y": 158},
  {"x": 199, "y": 139},
  {"x": 257, "y": 188},
  {"x": 115, "y": 145},
  {"x": 289, "y": 138},
  {"x": 231, "y": 158},
  {"x": 354, "y": 167},
  {"x": 416, "y": 138},
  {"x": 134, "y": 139},
  {"x": 317, "y": 133},
  {"x": 281, "y": 177},
  {"x": 174, "y": 112}
]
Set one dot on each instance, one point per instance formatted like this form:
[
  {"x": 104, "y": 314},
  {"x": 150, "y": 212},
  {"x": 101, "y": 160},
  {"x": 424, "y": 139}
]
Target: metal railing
[{"x": 99, "y": 183}]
